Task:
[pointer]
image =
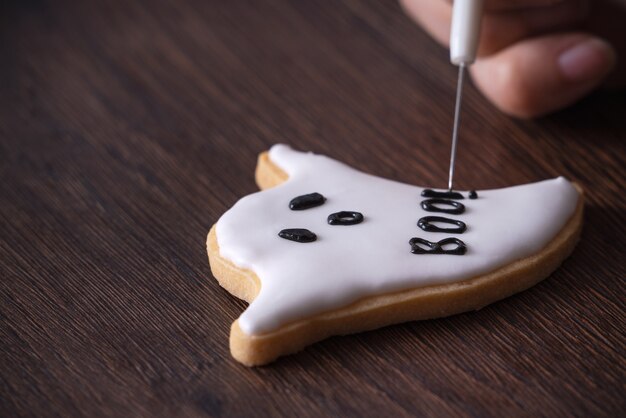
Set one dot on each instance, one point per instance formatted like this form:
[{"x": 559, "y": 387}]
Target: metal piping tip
[{"x": 455, "y": 129}]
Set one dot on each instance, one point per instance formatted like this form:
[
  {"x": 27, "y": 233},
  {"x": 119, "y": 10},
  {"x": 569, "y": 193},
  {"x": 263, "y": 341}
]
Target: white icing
[{"x": 347, "y": 263}]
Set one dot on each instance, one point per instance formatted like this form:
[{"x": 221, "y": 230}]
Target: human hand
[{"x": 537, "y": 56}]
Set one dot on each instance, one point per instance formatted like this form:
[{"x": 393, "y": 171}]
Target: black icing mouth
[{"x": 345, "y": 218}]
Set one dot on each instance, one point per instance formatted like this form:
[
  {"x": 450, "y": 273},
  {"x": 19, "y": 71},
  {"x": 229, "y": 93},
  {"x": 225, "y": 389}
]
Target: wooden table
[{"x": 128, "y": 128}]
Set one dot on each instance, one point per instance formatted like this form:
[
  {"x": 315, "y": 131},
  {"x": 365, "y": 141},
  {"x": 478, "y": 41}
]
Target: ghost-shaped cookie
[{"x": 325, "y": 249}]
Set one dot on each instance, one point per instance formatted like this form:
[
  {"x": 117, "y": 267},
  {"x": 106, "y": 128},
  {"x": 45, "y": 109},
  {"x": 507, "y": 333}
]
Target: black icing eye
[
  {"x": 473, "y": 194},
  {"x": 439, "y": 205},
  {"x": 345, "y": 218},
  {"x": 427, "y": 224},
  {"x": 298, "y": 235},
  {"x": 451, "y": 246},
  {"x": 306, "y": 201}
]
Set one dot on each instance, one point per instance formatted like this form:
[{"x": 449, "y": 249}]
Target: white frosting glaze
[{"x": 347, "y": 263}]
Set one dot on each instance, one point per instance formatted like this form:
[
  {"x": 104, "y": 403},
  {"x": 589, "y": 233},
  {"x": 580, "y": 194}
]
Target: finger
[
  {"x": 540, "y": 75},
  {"x": 499, "y": 29}
]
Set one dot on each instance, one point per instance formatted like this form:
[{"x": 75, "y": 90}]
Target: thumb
[{"x": 539, "y": 75}]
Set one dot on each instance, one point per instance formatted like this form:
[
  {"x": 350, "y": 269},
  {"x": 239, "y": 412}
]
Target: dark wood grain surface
[{"x": 128, "y": 127}]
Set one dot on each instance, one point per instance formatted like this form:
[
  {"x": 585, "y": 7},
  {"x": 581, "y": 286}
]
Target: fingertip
[
  {"x": 590, "y": 59},
  {"x": 541, "y": 75}
]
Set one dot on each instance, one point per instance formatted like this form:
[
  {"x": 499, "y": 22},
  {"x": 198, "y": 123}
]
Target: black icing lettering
[
  {"x": 345, "y": 218},
  {"x": 298, "y": 235},
  {"x": 435, "y": 205},
  {"x": 473, "y": 194},
  {"x": 427, "y": 224},
  {"x": 442, "y": 195},
  {"x": 422, "y": 246},
  {"x": 306, "y": 201}
]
